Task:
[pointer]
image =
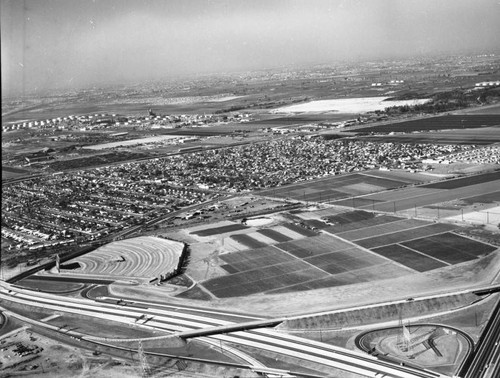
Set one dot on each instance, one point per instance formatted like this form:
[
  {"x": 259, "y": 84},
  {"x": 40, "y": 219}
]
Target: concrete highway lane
[
  {"x": 486, "y": 357},
  {"x": 178, "y": 322}
]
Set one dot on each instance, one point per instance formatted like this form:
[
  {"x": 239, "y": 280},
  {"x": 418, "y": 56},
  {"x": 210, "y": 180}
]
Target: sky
[{"x": 58, "y": 44}]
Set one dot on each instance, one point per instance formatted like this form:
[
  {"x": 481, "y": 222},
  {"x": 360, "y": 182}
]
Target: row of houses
[{"x": 104, "y": 120}]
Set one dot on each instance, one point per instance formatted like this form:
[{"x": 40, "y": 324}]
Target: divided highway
[
  {"x": 178, "y": 322},
  {"x": 486, "y": 358}
]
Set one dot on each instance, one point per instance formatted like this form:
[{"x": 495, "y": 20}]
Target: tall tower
[
  {"x": 404, "y": 339},
  {"x": 146, "y": 370}
]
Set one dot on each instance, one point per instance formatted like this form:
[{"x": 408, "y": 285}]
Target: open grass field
[{"x": 438, "y": 123}]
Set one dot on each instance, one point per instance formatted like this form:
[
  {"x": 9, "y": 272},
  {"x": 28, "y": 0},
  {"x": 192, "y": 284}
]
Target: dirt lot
[
  {"x": 53, "y": 360},
  {"x": 47, "y": 358}
]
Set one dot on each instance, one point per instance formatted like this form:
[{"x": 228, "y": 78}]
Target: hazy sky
[{"x": 74, "y": 43}]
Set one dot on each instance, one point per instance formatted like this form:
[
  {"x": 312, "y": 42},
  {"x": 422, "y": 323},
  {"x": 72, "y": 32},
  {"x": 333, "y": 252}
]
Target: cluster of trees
[{"x": 448, "y": 101}]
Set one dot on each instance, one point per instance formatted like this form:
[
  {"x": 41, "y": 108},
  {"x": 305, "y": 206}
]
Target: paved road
[
  {"x": 177, "y": 321},
  {"x": 486, "y": 360}
]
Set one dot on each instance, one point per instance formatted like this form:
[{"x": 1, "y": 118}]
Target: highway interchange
[{"x": 220, "y": 328}]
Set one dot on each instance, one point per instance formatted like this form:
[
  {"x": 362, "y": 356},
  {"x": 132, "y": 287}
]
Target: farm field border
[
  {"x": 401, "y": 236},
  {"x": 449, "y": 247},
  {"x": 386, "y": 228},
  {"x": 378, "y": 220},
  {"x": 410, "y": 198},
  {"x": 442, "y": 122},
  {"x": 410, "y": 258}
]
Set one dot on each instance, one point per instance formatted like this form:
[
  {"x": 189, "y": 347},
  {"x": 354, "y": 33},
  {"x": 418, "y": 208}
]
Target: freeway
[
  {"x": 486, "y": 357},
  {"x": 176, "y": 322},
  {"x": 184, "y": 309}
]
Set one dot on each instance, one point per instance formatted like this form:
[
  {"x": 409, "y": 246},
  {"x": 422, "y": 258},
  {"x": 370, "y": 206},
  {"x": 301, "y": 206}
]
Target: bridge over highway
[{"x": 178, "y": 322}]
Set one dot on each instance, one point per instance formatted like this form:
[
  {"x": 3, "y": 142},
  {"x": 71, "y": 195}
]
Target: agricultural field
[
  {"x": 484, "y": 198},
  {"x": 417, "y": 244},
  {"x": 248, "y": 241},
  {"x": 301, "y": 119},
  {"x": 410, "y": 258},
  {"x": 478, "y": 136},
  {"x": 382, "y": 229},
  {"x": 11, "y": 173},
  {"x": 355, "y": 246},
  {"x": 219, "y": 230},
  {"x": 488, "y": 109},
  {"x": 449, "y": 247},
  {"x": 349, "y": 217},
  {"x": 275, "y": 235},
  {"x": 348, "y": 185},
  {"x": 423, "y": 231},
  {"x": 412, "y": 200},
  {"x": 296, "y": 264},
  {"x": 437, "y": 123},
  {"x": 465, "y": 181},
  {"x": 300, "y": 230},
  {"x": 313, "y": 246},
  {"x": 347, "y": 223}
]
